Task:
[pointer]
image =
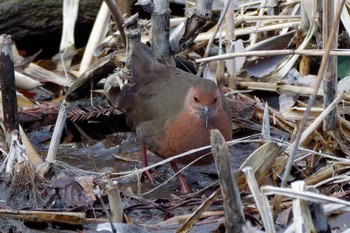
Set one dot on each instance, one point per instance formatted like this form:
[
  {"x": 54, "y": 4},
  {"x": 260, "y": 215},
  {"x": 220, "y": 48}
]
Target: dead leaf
[{"x": 75, "y": 191}]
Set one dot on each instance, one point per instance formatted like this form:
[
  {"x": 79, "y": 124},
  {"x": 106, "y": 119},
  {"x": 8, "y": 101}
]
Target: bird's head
[{"x": 204, "y": 99}]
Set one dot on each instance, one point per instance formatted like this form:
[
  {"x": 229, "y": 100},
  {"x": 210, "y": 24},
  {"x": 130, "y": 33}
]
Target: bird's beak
[{"x": 206, "y": 116}]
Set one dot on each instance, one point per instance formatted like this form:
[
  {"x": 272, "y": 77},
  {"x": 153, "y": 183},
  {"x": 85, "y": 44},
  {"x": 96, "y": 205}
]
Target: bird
[{"x": 172, "y": 111}]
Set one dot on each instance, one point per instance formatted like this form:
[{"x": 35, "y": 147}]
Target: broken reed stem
[
  {"x": 70, "y": 15},
  {"x": 8, "y": 88},
  {"x": 56, "y": 138},
  {"x": 160, "y": 20},
  {"x": 115, "y": 202},
  {"x": 57, "y": 133},
  {"x": 254, "y": 36},
  {"x": 97, "y": 35},
  {"x": 321, "y": 71},
  {"x": 261, "y": 202},
  {"x": 44, "y": 216},
  {"x": 263, "y": 53},
  {"x": 234, "y": 219},
  {"x": 330, "y": 78},
  {"x": 230, "y": 46},
  {"x": 265, "y": 132},
  {"x": 97, "y": 192}
]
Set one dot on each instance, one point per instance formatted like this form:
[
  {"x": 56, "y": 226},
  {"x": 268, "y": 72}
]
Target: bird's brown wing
[{"x": 150, "y": 101}]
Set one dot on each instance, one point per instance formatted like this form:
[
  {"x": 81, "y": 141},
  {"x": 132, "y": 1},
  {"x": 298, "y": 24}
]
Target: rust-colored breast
[{"x": 188, "y": 132}]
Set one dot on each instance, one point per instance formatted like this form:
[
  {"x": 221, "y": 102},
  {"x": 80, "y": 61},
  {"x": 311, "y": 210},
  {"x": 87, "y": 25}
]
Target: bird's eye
[
  {"x": 195, "y": 99},
  {"x": 215, "y": 100}
]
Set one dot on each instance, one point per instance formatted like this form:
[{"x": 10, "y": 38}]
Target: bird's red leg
[
  {"x": 183, "y": 184},
  {"x": 144, "y": 163}
]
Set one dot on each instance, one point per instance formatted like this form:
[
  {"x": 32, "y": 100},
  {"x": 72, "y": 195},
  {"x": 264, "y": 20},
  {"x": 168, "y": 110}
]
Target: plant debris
[{"x": 288, "y": 179}]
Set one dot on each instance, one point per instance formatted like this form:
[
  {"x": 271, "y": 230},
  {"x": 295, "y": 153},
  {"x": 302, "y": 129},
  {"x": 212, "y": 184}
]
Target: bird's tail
[{"x": 142, "y": 60}]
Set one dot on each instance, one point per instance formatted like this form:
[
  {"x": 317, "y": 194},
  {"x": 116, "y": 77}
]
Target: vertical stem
[
  {"x": 57, "y": 132},
  {"x": 70, "y": 15},
  {"x": 330, "y": 77},
  {"x": 230, "y": 47},
  {"x": 234, "y": 217},
  {"x": 160, "y": 31},
  {"x": 100, "y": 29},
  {"x": 115, "y": 202},
  {"x": 133, "y": 37},
  {"x": 118, "y": 17},
  {"x": 212, "y": 38},
  {"x": 56, "y": 138},
  {"x": 8, "y": 87},
  {"x": 304, "y": 64},
  {"x": 254, "y": 36}
]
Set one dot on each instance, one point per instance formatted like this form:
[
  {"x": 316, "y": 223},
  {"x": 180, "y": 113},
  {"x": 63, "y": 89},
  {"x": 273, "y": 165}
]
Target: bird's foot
[
  {"x": 144, "y": 163},
  {"x": 148, "y": 176},
  {"x": 184, "y": 187}
]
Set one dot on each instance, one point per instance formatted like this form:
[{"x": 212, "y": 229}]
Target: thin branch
[
  {"x": 118, "y": 17},
  {"x": 265, "y": 53}
]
